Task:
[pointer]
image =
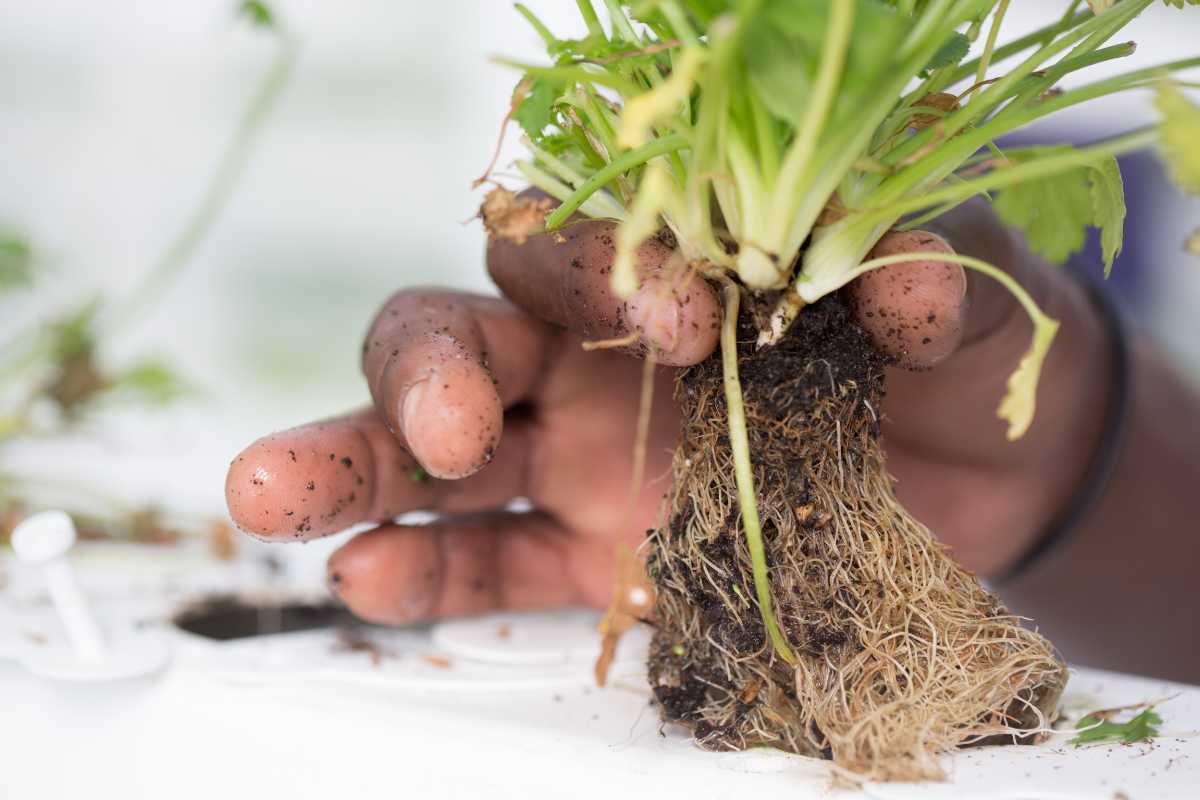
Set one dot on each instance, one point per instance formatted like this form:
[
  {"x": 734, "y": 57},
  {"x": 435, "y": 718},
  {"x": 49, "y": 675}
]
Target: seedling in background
[{"x": 59, "y": 361}]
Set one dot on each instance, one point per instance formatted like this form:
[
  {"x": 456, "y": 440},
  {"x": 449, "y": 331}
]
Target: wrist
[{"x": 1083, "y": 407}]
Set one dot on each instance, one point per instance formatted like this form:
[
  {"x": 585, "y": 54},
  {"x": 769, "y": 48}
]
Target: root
[{"x": 900, "y": 654}]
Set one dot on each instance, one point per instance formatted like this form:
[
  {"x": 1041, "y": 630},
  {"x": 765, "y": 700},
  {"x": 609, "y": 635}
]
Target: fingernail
[
  {"x": 654, "y": 311},
  {"x": 410, "y": 414}
]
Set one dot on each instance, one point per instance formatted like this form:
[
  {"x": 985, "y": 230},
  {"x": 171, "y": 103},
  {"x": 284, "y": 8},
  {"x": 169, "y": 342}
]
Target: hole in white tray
[{"x": 227, "y": 617}]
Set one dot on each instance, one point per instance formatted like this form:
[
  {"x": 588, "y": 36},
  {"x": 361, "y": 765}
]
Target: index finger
[{"x": 564, "y": 278}]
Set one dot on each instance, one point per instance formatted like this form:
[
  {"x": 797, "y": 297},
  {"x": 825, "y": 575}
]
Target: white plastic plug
[{"x": 44, "y": 541}]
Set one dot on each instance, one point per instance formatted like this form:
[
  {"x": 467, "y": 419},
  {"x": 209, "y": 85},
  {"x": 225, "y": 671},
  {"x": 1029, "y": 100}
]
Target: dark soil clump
[{"x": 900, "y": 654}]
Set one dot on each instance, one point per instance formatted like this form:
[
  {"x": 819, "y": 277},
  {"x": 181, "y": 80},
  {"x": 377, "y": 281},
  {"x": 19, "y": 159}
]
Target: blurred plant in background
[{"x": 54, "y": 374}]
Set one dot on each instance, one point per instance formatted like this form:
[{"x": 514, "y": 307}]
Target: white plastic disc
[{"x": 132, "y": 654}]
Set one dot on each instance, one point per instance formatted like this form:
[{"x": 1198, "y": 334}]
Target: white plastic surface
[
  {"x": 499, "y": 706},
  {"x": 130, "y": 654}
]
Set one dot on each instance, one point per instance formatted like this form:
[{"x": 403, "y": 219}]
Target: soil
[
  {"x": 900, "y": 653},
  {"x": 227, "y": 617}
]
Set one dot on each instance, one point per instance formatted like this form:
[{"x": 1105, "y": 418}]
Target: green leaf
[
  {"x": 16, "y": 261},
  {"x": 1179, "y": 3},
  {"x": 1052, "y": 212},
  {"x": 952, "y": 52},
  {"x": 783, "y": 48},
  {"x": 1180, "y": 134},
  {"x": 257, "y": 12},
  {"x": 536, "y": 111},
  {"x": 1108, "y": 209},
  {"x": 1097, "y": 729},
  {"x": 72, "y": 336},
  {"x": 150, "y": 382}
]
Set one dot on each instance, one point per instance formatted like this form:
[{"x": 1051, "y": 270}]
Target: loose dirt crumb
[
  {"x": 504, "y": 631},
  {"x": 441, "y": 662},
  {"x": 220, "y": 541},
  {"x": 351, "y": 640},
  {"x": 507, "y": 216}
]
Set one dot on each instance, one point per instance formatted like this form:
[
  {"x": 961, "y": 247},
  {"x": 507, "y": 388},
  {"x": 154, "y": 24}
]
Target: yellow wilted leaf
[
  {"x": 1180, "y": 134},
  {"x": 1020, "y": 401},
  {"x": 640, "y": 114}
]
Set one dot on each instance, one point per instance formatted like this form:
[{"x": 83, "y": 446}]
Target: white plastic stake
[{"x": 44, "y": 540}]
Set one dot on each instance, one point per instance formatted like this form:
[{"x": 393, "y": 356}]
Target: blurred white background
[{"x": 113, "y": 115}]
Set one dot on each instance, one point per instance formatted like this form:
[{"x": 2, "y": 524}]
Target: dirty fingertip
[
  {"x": 388, "y": 575},
  {"x": 912, "y": 311},
  {"x": 681, "y": 323},
  {"x": 452, "y": 418}
]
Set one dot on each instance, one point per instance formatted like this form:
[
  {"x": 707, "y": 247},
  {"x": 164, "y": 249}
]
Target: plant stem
[
  {"x": 995, "y": 273},
  {"x": 589, "y": 18},
  {"x": 1041, "y": 36},
  {"x": 796, "y": 163},
  {"x": 547, "y": 37},
  {"x": 218, "y": 192},
  {"x": 622, "y": 163},
  {"x": 990, "y": 46},
  {"x": 1030, "y": 170},
  {"x": 739, "y": 444}
]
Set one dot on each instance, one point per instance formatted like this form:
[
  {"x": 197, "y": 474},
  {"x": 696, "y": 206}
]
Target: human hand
[{"x": 479, "y": 401}]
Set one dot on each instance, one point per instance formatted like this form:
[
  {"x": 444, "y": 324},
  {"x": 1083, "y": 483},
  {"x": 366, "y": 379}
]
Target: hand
[{"x": 479, "y": 401}]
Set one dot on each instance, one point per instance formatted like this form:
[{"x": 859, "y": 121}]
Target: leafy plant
[
  {"x": 1095, "y": 728},
  {"x": 58, "y": 362},
  {"x": 16, "y": 261},
  {"x": 779, "y": 140}
]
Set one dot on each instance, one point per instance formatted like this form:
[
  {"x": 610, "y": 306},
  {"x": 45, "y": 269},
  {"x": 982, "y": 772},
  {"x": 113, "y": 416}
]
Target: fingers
[
  {"x": 321, "y": 478},
  {"x": 563, "y": 278},
  {"x": 912, "y": 311},
  {"x": 398, "y": 574},
  {"x": 442, "y": 366}
]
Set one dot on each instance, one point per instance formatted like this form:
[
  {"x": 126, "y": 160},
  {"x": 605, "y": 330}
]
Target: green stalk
[
  {"x": 739, "y": 444},
  {"x": 836, "y": 154},
  {"x": 1030, "y": 170},
  {"x": 218, "y": 192},
  {"x": 589, "y": 18},
  {"x": 622, "y": 163},
  {"x": 576, "y": 74},
  {"x": 622, "y": 29},
  {"x": 1040, "y": 37},
  {"x": 834, "y": 257},
  {"x": 1001, "y": 90},
  {"x": 796, "y": 163},
  {"x": 678, "y": 21},
  {"x": 990, "y": 45},
  {"x": 548, "y": 38},
  {"x": 599, "y": 206}
]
